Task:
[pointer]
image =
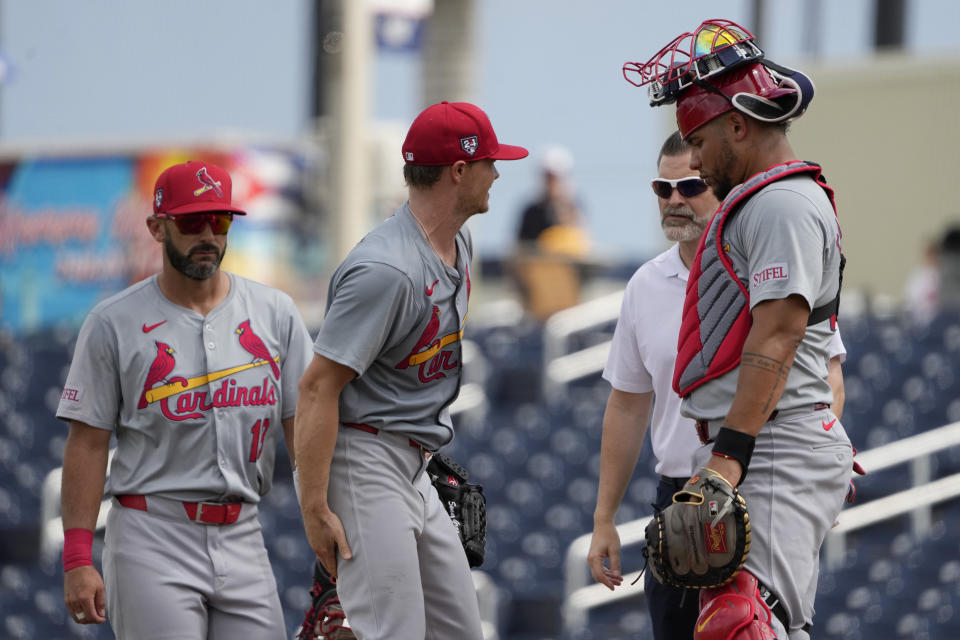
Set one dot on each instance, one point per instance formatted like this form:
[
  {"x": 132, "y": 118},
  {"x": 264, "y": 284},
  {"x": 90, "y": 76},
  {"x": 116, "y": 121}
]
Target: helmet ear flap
[{"x": 778, "y": 108}]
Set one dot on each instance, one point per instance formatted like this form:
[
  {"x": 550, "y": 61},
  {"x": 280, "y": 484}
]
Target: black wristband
[{"x": 735, "y": 445}]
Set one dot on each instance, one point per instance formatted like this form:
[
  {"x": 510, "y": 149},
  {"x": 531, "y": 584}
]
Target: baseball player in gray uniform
[
  {"x": 195, "y": 372},
  {"x": 374, "y": 399},
  {"x": 640, "y": 371},
  {"x": 759, "y": 315}
]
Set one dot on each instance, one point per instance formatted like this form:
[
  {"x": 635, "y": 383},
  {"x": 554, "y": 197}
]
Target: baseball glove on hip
[
  {"x": 464, "y": 502},
  {"x": 702, "y": 540},
  {"x": 324, "y": 619}
]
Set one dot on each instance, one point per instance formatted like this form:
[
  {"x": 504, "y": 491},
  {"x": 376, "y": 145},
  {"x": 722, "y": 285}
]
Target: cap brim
[
  {"x": 509, "y": 152},
  {"x": 200, "y": 207}
]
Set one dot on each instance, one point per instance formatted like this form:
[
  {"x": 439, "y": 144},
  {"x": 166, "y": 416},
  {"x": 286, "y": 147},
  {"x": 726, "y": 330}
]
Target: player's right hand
[
  {"x": 83, "y": 594},
  {"x": 327, "y": 538},
  {"x": 605, "y": 545}
]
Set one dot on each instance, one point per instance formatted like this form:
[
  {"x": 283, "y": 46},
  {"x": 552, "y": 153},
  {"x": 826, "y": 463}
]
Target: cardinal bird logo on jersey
[
  {"x": 254, "y": 345},
  {"x": 208, "y": 183},
  {"x": 159, "y": 370},
  {"x": 426, "y": 338},
  {"x": 428, "y": 352}
]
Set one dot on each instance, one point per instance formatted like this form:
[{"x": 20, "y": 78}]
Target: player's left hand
[
  {"x": 701, "y": 540},
  {"x": 327, "y": 538},
  {"x": 605, "y": 546}
]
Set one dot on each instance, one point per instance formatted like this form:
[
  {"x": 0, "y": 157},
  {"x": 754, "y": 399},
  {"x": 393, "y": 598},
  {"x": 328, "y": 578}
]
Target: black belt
[{"x": 772, "y": 601}]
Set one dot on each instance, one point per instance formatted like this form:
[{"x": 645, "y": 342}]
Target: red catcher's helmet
[
  {"x": 716, "y": 68},
  {"x": 759, "y": 92}
]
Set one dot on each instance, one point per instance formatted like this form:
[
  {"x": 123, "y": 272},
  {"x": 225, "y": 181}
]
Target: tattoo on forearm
[
  {"x": 769, "y": 365},
  {"x": 756, "y": 360}
]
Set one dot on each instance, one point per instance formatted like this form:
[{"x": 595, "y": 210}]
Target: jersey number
[{"x": 259, "y": 431}]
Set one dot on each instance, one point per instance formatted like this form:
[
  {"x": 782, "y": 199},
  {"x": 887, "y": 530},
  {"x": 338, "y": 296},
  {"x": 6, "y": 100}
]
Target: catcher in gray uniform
[
  {"x": 374, "y": 399},
  {"x": 751, "y": 366},
  {"x": 195, "y": 372}
]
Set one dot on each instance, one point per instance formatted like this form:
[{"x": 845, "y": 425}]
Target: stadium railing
[{"x": 580, "y": 596}]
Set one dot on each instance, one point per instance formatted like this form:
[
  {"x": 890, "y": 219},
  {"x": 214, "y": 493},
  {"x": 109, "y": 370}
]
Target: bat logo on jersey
[
  {"x": 192, "y": 398},
  {"x": 469, "y": 144},
  {"x": 428, "y": 352},
  {"x": 207, "y": 183},
  {"x": 254, "y": 345}
]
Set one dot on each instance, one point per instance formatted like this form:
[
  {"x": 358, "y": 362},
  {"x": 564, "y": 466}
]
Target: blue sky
[{"x": 547, "y": 72}]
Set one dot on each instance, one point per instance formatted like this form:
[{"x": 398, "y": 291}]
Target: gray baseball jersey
[
  {"x": 799, "y": 254},
  {"x": 395, "y": 315},
  {"x": 196, "y": 401}
]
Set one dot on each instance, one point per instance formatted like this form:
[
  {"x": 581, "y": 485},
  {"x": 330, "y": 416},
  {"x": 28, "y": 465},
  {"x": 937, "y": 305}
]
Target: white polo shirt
[{"x": 644, "y": 351}]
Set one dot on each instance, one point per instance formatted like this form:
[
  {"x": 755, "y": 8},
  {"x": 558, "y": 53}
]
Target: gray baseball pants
[
  {"x": 167, "y": 577},
  {"x": 798, "y": 479},
  {"x": 409, "y": 578}
]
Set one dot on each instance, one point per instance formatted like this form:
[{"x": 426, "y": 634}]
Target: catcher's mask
[{"x": 716, "y": 68}]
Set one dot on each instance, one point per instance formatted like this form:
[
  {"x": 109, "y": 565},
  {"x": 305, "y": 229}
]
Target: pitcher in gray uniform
[
  {"x": 374, "y": 400},
  {"x": 759, "y": 315},
  {"x": 195, "y": 372}
]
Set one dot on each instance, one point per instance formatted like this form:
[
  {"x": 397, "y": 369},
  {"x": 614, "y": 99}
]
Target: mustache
[
  {"x": 683, "y": 212},
  {"x": 205, "y": 247}
]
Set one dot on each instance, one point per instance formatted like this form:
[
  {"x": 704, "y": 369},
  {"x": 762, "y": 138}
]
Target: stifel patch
[{"x": 769, "y": 273}]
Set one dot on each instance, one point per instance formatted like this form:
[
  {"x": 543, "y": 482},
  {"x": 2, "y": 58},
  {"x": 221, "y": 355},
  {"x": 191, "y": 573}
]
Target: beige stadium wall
[{"x": 887, "y": 133}]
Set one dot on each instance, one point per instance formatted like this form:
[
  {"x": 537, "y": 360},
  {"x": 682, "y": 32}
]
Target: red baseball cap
[
  {"x": 450, "y": 131},
  {"x": 193, "y": 187}
]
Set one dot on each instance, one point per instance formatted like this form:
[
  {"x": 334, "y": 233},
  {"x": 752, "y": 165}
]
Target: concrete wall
[{"x": 887, "y": 133}]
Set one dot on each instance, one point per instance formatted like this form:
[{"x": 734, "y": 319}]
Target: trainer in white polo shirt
[{"x": 640, "y": 369}]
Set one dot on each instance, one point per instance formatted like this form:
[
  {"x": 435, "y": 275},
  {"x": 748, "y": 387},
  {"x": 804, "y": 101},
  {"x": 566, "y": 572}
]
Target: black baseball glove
[
  {"x": 701, "y": 540},
  {"x": 324, "y": 619},
  {"x": 464, "y": 502}
]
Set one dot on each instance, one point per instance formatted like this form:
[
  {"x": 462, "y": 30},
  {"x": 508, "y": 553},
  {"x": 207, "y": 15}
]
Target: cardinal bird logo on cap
[
  {"x": 254, "y": 345},
  {"x": 159, "y": 370},
  {"x": 208, "y": 183},
  {"x": 469, "y": 144}
]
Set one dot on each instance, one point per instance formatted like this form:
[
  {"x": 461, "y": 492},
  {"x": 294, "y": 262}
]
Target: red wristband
[
  {"x": 77, "y": 548},
  {"x": 722, "y": 455}
]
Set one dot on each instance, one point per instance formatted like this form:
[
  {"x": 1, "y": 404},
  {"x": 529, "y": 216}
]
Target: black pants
[{"x": 673, "y": 611}]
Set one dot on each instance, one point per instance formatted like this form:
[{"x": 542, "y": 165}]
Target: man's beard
[
  {"x": 692, "y": 229},
  {"x": 194, "y": 270},
  {"x": 720, "y": 181}
]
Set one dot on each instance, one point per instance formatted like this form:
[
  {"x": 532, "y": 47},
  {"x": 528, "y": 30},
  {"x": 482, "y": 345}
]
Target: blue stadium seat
[
  {"x": 510, "y": 445},
  {"x": 544, "y": 548},
  {"x": 534, "y": 420},
  {"x": 547, "y": 469},
  {"x": 914, "y": 626},
  {"x": 571, "y": 445},
  {"x": 566, "y": 520},
  {"x": 487, "y": 470},
  {"x": 838, "y": 626},
  {"x": 582, "y": 493},
  {"x": 519, "y": 573},
  {"x": 504, "y": 523}
]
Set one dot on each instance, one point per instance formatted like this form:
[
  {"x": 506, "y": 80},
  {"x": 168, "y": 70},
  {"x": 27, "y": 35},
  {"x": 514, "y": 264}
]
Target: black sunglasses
[
  {"x": 688, "y": 187},
  {"x": 192, "y": 223}
]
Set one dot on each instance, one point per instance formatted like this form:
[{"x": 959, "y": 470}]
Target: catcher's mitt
[
  {"x": 464, "y": 502},
  {"x": 702, "y": 540},
  {"x": 324, "y": 619}
]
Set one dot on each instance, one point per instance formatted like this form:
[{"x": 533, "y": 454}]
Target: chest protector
[{"x": 716, "y": 312}]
